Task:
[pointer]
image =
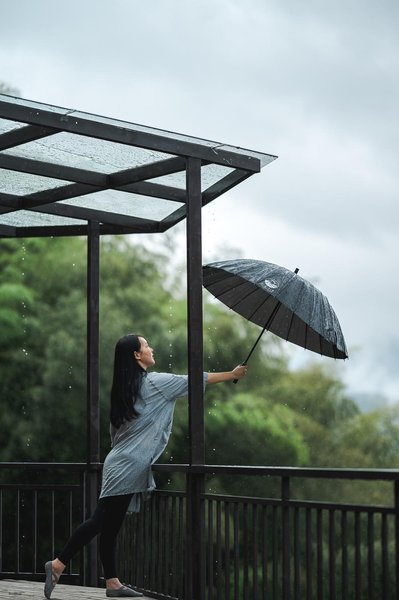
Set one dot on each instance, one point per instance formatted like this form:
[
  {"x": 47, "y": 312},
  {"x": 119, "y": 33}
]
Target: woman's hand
[
  {"x": 237, "y": 373},
  {"x": 240, "y": 371}
]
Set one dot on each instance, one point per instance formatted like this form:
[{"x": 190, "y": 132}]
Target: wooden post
[
  {"x": 93, "y": 404},
  {"x": 195, "y": 573}
]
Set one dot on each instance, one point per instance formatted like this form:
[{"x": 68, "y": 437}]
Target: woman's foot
[
  {"x": 51, "y": 579},
  {"x": 53, "y": 570},
  {"x": 113, "y": 584},
  {"x": 116, "y": 589},
  {"x": 58, "y": 567}
]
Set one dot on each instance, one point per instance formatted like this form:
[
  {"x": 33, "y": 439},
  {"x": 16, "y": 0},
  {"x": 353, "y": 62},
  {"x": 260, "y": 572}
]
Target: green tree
[
  {"x": 317, "y": 392},
  {"x": 375, "y": 436},
  {"x": 274, "y": 416}
]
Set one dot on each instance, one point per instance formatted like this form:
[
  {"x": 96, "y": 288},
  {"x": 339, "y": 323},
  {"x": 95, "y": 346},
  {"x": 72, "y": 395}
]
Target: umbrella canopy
[{"x": 278, "y": 300}]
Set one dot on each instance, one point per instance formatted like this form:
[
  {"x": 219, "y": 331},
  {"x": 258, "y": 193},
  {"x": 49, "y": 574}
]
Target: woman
[{"x": 142, "y": 406}]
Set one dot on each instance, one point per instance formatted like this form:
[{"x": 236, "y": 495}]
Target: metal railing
[
  {"x": 40, "y": 505},
  {"x": 268, "y": 548}
]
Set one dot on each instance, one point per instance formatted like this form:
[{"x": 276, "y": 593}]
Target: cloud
[{"x": 316, "y": 83}]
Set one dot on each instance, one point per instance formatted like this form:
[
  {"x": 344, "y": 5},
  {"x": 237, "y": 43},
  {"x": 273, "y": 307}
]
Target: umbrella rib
[
  {"x": 253, "y": 291},
  {"x": 334, "y": 350},
  {"x": 245, "y": 297},
  {"x": 260, "y": 306},
  {"x": 220, "y": 296},
  {"x": 290, "y": 325}
]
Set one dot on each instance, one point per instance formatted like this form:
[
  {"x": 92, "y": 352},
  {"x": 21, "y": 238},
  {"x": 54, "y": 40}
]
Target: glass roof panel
[
  {"x": 123, "y": 203},
  {"x": 26, "y": 218},
  {"x": 86, "y": 153},
  {"x": 177, "y": 136},
  {"x": 265, "y": 159},
  {"x": 34, "y": 105},
  {"x": 143, "y": 128},
  {"x": 262, "y": 156},
  {"x": 6, "y": 125},
  {"x": 82, "y": 142},
  {"x": 22, "y": 184},
  {"x": 210, "y": 174},
  {"x": 71, "y": 113}
]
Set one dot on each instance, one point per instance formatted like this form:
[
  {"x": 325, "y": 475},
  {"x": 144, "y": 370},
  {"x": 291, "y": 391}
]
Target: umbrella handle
[{"x": 242, "y": 365}]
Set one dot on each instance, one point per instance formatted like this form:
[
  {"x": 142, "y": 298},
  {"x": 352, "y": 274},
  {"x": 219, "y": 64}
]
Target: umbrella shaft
[
  {"x": 270, "y": 319},
  {"x": 254, "y": 346}
]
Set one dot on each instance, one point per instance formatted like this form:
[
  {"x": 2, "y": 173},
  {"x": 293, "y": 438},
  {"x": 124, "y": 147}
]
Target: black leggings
[{"x": 106, "y": 520}]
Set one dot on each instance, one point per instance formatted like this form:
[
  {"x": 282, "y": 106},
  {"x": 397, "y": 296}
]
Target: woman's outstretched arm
[{"x": 237, "y": 373}]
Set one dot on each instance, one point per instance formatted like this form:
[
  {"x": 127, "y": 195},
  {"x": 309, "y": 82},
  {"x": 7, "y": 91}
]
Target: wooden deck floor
[{"x": 33, "y": 590}]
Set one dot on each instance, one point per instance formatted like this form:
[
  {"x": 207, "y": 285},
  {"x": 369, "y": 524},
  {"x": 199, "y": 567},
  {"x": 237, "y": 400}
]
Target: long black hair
[{"x": 126, "y": 380}]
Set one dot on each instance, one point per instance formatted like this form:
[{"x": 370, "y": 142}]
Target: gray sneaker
[
  {"x": 51, "y": 579},
  {"x": 123, "y": 592}
]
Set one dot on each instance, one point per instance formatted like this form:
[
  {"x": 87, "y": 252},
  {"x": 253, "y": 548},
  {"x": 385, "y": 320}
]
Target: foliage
[{"x": 275, "y": 416}]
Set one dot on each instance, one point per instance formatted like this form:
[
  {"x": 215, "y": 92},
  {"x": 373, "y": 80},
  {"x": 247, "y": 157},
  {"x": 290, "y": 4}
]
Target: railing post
[
  {"x": 195, "y": 572},
  {"x": 285, "y": 496},
  {"x": 93, "y": 405}
]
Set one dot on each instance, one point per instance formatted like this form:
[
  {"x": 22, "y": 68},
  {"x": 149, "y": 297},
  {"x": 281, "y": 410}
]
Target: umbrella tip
[{"x": 296, "y": 270}]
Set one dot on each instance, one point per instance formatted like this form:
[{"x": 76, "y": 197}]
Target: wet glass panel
[
  {"x": 22, "y": 184},
  {"x": 71, "y": 113},
  {"x": 86, "y": 153},
  {"x": 26, "y": 218},
  {"x": 35, "y": 105},
  {"x": 210, "y": 174},
  {"x": 144, "y": 129},
  {"x": 265, "y": 159},
  {"x": 123, "y": 203},
  {"x": 6, "y": 125}
]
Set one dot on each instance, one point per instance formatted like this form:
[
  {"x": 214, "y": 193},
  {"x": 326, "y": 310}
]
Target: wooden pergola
[{"x": 64, "y": 173}]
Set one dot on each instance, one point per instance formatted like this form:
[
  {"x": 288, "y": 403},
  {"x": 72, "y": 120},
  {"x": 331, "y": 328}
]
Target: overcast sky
[{"x": 316, "y": 83}]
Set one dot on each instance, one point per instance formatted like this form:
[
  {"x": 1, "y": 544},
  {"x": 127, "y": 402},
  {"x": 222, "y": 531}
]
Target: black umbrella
[{"x": 278, "y": 300}]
